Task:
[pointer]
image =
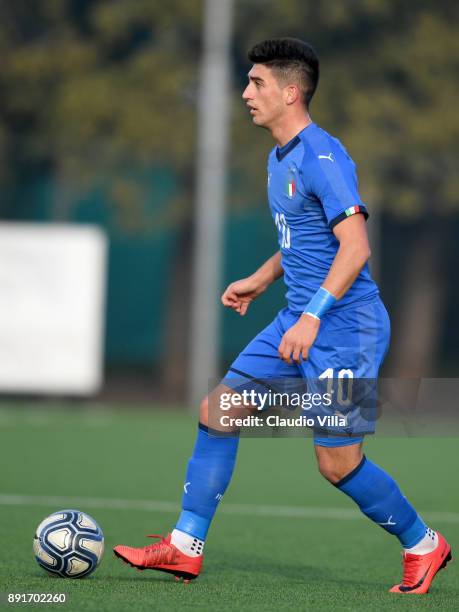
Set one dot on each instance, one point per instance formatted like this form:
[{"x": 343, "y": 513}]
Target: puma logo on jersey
[{"x": 329, "y": 156}]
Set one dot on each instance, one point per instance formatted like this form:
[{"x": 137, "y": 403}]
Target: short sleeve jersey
[{"x": 312, "y": 186}]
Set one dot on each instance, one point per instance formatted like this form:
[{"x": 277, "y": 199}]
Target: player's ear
[{"x": 291, "y": 94}]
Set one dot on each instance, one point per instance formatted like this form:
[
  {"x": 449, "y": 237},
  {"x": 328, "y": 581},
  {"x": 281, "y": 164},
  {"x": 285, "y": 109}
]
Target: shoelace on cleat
[
  {"x": 161, "y": 552},
  {"x": 412, "y": 567}
]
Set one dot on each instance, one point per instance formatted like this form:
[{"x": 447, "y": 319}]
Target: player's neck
[{"x": 284, "y": 131}]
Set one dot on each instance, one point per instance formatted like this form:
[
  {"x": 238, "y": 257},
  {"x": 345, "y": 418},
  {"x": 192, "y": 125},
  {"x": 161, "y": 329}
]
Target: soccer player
[{"x": 334, "y": 322}]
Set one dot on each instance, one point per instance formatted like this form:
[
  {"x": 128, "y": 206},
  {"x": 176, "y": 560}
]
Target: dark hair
[{"x": 290, "y": 58}]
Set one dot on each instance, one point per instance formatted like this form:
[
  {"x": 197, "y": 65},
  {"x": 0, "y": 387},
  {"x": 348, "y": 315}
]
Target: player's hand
[
  {"x": 241, "y": 293},
  {"x": 297, "y": 340}
]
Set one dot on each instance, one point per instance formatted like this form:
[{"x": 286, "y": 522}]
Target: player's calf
[
  {"x": 380, "y": 499},
  {"x": 209, "y": 472}
]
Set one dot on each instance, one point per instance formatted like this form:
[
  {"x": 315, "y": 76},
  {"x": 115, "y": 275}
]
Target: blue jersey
[{"x": 312, "y": 186}]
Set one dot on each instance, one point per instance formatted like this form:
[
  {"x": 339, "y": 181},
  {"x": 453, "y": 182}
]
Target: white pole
[{"x": 213, "y": 124}]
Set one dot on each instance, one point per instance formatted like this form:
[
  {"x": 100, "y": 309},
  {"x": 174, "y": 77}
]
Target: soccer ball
[{"x": 68, "y": 543}]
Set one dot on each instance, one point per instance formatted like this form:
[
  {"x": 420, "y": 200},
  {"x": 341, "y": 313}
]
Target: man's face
[{"x": 264, "y": 96}]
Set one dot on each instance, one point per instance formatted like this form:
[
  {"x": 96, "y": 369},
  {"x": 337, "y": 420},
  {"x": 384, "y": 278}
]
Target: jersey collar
[{"x": 281, "y": 152}]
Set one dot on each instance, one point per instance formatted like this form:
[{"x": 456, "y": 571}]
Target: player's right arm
[{"x": 241, "y": 293}]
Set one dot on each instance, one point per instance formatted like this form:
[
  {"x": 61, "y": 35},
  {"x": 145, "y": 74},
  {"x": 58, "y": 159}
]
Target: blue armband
[{"x": 320, "y": 303}]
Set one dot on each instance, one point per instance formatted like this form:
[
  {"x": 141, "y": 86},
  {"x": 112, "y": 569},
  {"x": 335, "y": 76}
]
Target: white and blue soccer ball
[{"x": 69, "y": 543}]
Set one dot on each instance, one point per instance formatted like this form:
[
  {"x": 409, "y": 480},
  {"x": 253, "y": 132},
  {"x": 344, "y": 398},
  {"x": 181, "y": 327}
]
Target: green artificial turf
[{"x": 259, "y": 554}]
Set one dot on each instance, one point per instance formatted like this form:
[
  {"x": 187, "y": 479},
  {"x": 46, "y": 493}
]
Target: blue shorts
[{"x": 352, "y": 341}]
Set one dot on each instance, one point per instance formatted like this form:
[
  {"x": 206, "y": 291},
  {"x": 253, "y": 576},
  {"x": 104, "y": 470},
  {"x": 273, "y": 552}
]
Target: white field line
[{"x": 299, "y": 512}]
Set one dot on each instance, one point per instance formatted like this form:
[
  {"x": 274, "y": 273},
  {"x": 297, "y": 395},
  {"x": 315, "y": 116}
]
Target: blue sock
[
  {"x": 207, "y": 478},
  {"x": 379, "y": 497}
]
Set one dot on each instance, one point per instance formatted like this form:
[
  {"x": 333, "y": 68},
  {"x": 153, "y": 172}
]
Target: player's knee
[
  {"x": 204, "y": 411},
  {"x": 337, "y": 462},
  {"x": 330, "y": 471},
  {"x": 335, "y": 469}
]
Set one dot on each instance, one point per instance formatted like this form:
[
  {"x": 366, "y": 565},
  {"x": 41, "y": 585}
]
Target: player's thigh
[
  {"x": 344, "y": 362},
  {"x": 355, "y": 340},
  {"x": 256, "y": 366},
  {"x": 259, "y": 360}
]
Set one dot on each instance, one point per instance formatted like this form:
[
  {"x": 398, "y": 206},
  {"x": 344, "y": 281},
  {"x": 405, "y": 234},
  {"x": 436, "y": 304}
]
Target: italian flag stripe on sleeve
[{"x": 353, "y": 210}]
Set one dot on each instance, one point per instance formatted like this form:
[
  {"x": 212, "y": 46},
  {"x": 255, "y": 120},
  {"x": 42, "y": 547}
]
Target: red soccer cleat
[
  {"x": 420, "y": 570},
  {"x": 162, "y": 556}
]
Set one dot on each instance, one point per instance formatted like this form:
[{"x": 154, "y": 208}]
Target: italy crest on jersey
[{"x": 291, "y": 183}]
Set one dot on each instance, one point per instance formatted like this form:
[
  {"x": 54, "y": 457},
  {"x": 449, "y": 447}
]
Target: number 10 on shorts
[{"x": 345, "y": 378}]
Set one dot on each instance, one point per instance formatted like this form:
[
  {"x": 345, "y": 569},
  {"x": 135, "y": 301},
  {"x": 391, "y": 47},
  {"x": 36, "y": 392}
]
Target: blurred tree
[
  {"x": 103, "y": 92},
  {"x": 90, "y": 88}
]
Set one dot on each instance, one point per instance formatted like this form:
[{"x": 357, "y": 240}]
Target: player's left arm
[{"x": 352, "y": 254}]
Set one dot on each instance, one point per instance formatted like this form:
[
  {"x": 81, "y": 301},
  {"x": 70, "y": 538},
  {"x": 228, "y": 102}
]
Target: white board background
[{"x": 52, "y": 302}]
